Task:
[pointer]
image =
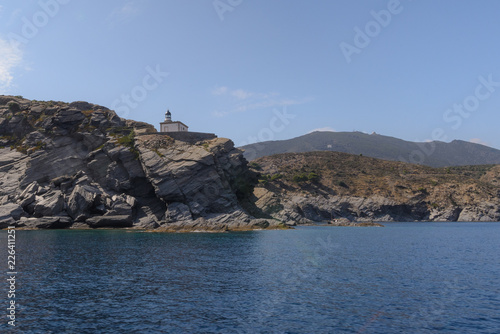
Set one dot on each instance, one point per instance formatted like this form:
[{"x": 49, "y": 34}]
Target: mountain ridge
[{"x": 434, "y": 153}]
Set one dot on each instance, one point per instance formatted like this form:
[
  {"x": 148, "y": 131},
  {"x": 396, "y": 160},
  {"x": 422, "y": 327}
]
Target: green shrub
[
  {"x": 300, "y": 178},
  {"x": 40, "y": 145},
  {"x": 343, "y": 184},
  {"x": 313, "y": 176},
  {"x": 255, "y": 166},
  {"x": 264, "y": 179},
  {"x": 14, "y": 106},
  {"x": 276, "y": 177},
  {"x": 423, "y": 190},
  {"x": 128, "y": 141},
  {"x": 243, "y": 186}
]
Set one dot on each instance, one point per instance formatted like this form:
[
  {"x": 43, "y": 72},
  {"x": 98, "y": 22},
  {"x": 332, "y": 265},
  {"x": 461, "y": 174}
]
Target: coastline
[{"x": 176, "y": 228}]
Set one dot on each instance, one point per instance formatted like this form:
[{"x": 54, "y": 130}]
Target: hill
[
  {"x": 315, "y": 186},
  {"x": 435, "y": 154}
]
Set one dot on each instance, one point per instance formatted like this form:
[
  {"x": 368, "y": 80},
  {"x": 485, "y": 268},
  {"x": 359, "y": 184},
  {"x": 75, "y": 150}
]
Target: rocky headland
[
  {"x": 301, "y": 188},
  {"x": 79, "y": 165}
]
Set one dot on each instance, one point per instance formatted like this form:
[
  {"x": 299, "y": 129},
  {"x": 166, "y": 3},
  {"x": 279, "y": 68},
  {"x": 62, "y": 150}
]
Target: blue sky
[{"x": 265, "y": 69}]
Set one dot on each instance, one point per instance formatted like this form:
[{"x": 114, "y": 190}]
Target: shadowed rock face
[{"x": 79, "y": 164}]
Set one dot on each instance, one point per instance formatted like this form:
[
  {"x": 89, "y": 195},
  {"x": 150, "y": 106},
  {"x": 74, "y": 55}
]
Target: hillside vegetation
[{"x": 324, "y": 185}]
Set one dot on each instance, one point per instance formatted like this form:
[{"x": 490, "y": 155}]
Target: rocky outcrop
[
  {"x": 355, "y": 224},
  {"x": 236, "y": 221},
  {"x": 80, "y": 165},
  {"x": 299, "y": 209},
  {"x": 308, "y": 209},
  {"x": 302, "y": 188}
]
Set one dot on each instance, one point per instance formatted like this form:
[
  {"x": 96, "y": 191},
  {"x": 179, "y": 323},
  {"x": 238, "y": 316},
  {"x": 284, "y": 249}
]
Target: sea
[{"x": 401, "y": 278}]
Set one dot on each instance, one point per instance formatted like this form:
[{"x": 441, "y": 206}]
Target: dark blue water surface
[{"x": 404, "y": 278}]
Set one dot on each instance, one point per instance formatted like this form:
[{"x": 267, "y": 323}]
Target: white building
[{"x": 169, "y": 126}]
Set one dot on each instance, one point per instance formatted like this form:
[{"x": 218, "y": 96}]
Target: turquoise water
[{"x": 404, "y": 278}]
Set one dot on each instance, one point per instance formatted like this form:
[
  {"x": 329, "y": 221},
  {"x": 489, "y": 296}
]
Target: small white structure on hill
[{"x": 169, "y": 126}]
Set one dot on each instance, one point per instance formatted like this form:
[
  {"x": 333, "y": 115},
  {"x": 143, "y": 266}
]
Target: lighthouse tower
[{"x": 170, "y": 126}]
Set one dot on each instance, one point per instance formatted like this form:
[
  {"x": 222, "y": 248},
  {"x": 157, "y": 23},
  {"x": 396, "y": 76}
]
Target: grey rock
[
  {"x": 355, "y": 224},
  {"x": 54, "y": 162},
  {"x": 28, "y": 200},
  {"x": 485, "y": 212},
  {"x": 81, "y": 200},
  {"x": 4, "y": 200},
  {"x": 93, "y": 140},
  {"x": 141, "y": 128},
  {"x": 13, "y": 166},
  {"x": 50, "y": 204},
  {"x": 294, "y": 209},
  {"x": 120, "y": 208},
  {"x": 81, "y": 105},
  {"x": 69, "y": 117},
  {"x": 236, "y": 221},
  {"x": 445, "y": 215},
  {"x": 117, "y": 177},
  {"x": 28, "y": 195},
  {"x": 77, "y": 166},
  {"x": 11, "y": 210},
  {"x": 98, "y": 165},
  {"x": 177, "y": 212},
  {"x": 47, "y": 222},
  {"x": 6, "y": 222},
  {"x": 109, "y": 221}
]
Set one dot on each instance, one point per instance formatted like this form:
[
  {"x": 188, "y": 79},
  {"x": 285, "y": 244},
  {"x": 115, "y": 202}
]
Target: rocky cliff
[
  {"x": 318, "y": 186},
  {"x": 80, "y": 165}
]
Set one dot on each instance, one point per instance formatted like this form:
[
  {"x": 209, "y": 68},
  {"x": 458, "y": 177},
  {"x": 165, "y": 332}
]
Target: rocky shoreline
[
  {"x": 79, "y": 165},
  {"x": 303, "y": 188}
]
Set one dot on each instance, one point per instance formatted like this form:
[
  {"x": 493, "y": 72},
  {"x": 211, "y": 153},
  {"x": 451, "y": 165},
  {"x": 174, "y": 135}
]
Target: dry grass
[{"x": 347, "y": 174}]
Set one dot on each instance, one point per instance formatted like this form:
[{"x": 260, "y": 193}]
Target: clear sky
[{"x": 256, "y": 70}]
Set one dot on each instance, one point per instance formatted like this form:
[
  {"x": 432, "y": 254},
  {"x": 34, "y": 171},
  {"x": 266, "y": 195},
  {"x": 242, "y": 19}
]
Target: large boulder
[
  {"x": 11, "y": 210},
  {"x": 50, "y": 204},
  {"x": 120, "y": 205},
  {"x": 81, "y": 200},
  {"x": 69, "y": 117}
]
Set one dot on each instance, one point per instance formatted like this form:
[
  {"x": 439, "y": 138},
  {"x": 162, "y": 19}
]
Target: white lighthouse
[{"x": 169, "y": 126}]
